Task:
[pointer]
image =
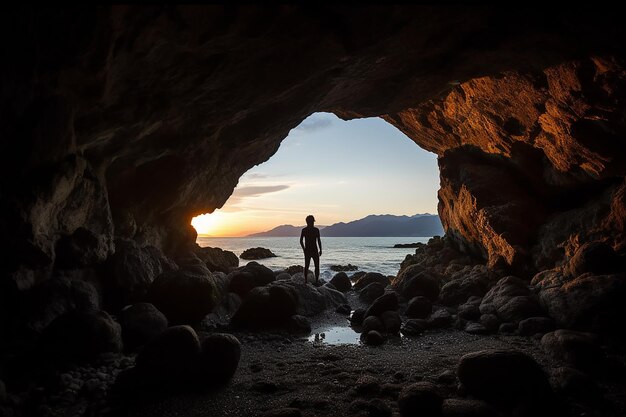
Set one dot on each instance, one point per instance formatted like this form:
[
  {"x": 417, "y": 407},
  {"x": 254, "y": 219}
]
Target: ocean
[{"x": 370, "y": 254}]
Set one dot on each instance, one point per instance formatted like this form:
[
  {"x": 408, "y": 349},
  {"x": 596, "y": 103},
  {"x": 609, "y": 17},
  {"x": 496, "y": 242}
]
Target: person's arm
[
  {"x": 301, "y": 239},
  {"x": 319, "y": 241}
]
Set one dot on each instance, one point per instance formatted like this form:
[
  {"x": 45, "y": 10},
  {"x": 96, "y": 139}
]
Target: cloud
[
  {"x": 313, "y": 123},
  {"x": 255, "y": 176},
  {"x": 257, "y": 190}
]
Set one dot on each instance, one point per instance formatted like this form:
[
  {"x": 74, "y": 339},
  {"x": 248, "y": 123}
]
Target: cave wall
[{"x": 122, "y": 123}]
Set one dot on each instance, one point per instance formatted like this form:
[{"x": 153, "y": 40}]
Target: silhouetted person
[{"x": 309, "y": 240}]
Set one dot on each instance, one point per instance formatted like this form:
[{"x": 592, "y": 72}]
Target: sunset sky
[{"x": 336, "y": 170}]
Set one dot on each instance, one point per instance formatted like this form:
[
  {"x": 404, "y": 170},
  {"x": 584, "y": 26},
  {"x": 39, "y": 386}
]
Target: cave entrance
[{"x": 339, "y": 171}]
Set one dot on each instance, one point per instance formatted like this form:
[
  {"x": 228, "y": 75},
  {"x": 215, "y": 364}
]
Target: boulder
[
  {"x": 357, "y": 317},
  {"x": 440, "y": 319},
  {"x": 171, "y": 358},
  {"x": 81, "y": 335},
  {"x": 581, "y": 350},
  {"x": 131, "y": 270},
  {"x": 597, "y": 258},
  {"x": 184, "y": 297},
  {"x": 504, "y": 377},
  {"x": 419, "y": 308},
  {"x": 507, "y": 328},
  {"x": 266, "y": 307},
  {"x": 588, "y": 302},
  {"x": 576, "y": 384},
  {"x": 373, "y": 338},
  {"x": 369, "y": 278},
  {"x": 414, "y": 281},
  {"x": 341, "y": 282},
  {"x": 490, "y": 321},
  {"x": 373, "y": 323},
  {"x": 459, "y": 290},
  {"x": 141, "y": 323},
  {"x": 469, "y": 312},
  {"x": 511, "y": 300},
  {"x": 217, "y": 259},
  {"x": 414, "y": 327},
  {"x": 256, "y": 253},
  {"x": 342, "y": 268},
  {"x": 283, "y": 276},
  {"x": 299, "y": 325},
  {"x": 386, "y": 302},
  {"x": 58, "y": 296},
  {"x": 535, "y": 325},
  {"x": 371, "y": 292},
  {"x": 81, "y": 248},
  {"x": 344, "y": 309},
  {"x": 420, "y": 399},
  {"x": 475, "y": 328},
  {"x": 250, "y": 276},
  {"x": 391, "y": 321},
  {"x": 218, "y": 359},
  {"x": 294, "y": 269}
]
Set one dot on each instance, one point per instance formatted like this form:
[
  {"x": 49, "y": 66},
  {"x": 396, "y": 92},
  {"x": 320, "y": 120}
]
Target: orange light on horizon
[{"x": 226, "y": 224}]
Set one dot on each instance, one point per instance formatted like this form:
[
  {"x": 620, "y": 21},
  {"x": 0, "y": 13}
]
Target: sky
[{"x": 334, "y": 169}]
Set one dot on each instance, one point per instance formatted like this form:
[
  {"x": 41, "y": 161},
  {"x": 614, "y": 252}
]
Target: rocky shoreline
[{"x": 417, "y": 339}]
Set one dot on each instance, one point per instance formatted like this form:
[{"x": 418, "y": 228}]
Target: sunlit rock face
[{"x": 125, "y": 122}]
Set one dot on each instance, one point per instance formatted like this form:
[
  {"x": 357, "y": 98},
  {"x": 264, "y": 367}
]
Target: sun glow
[{"x": 207, "y": 224}]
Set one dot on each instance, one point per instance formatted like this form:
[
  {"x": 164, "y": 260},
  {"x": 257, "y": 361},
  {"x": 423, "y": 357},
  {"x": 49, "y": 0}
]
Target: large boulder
[
  {"x": 597, "y": 258},
  {"x": 368, "y": 278},
  {"x": 266, "y": 307},
  {"x": 391, "y": 321},
  {"x": 579, "y": 349},
  {"x": 81, "y": 335},
  {"x": 504, "y": 377},
  {"x": 131, "y": 271},
  {"x": 57, "y": 296},
  {"x": 184, "y": 297},
  {"x": 511, "y": 300},
  {"x": 250, "y": 276},
  {"x": 141, "y": 323},
  {"x": 341, "y": 282},
  {"x": 420, "y": 399},
  {"x": 219, "y": 358},
  {"x": 371, "y": 292},
  {"x": 414, "y": 281},
  {"x": 217, "y": 259},
  {"x": 419, "y": 308},
  {"x": 257, "y": 253},
  {"x": 587, "y": 302},
  {"x": 171, "y": 358},
  {"x": 386, "y": 302}
]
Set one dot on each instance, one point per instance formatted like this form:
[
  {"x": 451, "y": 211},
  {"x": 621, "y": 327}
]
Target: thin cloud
[
  {"x": 257, "y": 190},
  {"x": 314, "y": 123},
  {"x": 255, "y": 176}
]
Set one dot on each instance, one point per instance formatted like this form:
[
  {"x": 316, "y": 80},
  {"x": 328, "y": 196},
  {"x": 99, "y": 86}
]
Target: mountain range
[{"x": 371, "y": 226}]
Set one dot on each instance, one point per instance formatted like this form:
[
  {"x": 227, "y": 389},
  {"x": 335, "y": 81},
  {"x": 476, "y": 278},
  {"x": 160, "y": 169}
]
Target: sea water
[{"x": 369, "y": 254}]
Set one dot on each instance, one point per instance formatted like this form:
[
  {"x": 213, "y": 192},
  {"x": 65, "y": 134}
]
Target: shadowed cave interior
[{"x": 120, "y": 124}]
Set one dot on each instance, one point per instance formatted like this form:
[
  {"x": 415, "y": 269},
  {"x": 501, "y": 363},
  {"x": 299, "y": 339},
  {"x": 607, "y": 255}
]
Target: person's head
[{"x": 310, "y": 220}]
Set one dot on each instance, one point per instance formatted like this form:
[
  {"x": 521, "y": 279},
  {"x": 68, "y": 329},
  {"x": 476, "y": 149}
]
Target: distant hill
[{"x": 373, "y": 225}]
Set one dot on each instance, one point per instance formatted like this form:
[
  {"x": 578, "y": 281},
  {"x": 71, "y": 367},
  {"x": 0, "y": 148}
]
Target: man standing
[{"x": 309, "y": 240}]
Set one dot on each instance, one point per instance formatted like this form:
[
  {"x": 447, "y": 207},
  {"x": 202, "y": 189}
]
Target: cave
[{"x": 121, "y": 123}]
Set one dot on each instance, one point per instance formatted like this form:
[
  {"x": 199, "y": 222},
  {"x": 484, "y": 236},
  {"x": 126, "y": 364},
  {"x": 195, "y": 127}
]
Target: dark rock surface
[
  {"x": 421, "y": 398},
  {"x": 341, "y": 282},
  {"x": 370, "y": 278},
  {"x": 183, "y": 296},
  {"x": 419, "y": 308},
  {"x": 386, "y": 302},
  {"x": 257, "y": 253},
  {"x": 141, "y": 323},
  {"x": 219, "y": 358},
  {"x": 371, "y": 292},
  {"x": 218, "y": 260},
  {"x": 504, "y": 377}
]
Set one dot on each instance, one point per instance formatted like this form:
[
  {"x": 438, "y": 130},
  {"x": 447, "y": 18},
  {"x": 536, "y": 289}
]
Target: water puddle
[{"x": 336, "y": 335}]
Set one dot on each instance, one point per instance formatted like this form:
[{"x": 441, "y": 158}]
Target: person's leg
[
  {"x": 307, "y": 262},
  {"x": 316, "y": 260}
]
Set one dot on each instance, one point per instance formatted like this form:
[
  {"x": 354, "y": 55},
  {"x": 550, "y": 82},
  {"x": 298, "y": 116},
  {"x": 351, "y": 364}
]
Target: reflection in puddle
[{"x": 336, "y": 335}]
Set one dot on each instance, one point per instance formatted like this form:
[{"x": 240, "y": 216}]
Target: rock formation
[{"x": 119, "y": 124}]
